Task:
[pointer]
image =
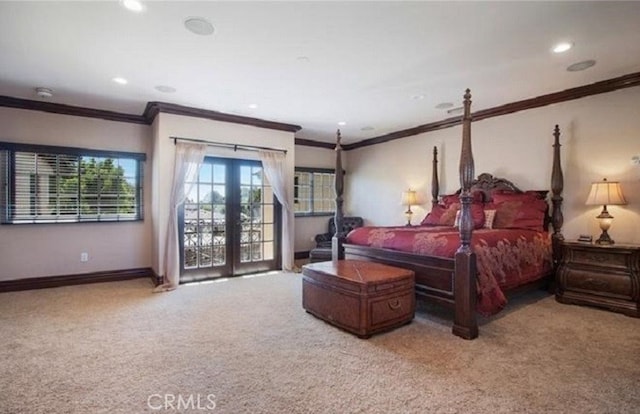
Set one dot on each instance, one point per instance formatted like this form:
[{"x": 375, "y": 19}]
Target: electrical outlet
[{"x": 84, "y": 257}]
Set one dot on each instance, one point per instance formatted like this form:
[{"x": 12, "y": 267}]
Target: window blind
[{"x": 53, "y": 187}]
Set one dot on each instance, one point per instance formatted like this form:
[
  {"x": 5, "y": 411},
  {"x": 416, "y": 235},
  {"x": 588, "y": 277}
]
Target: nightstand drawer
[
  {"x": 601, "y": 258},
  {"x": 604, "y": 284}
]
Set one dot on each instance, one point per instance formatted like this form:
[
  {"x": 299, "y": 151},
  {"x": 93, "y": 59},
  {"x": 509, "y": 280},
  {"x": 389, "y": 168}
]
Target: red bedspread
[{"x": 506, "y": 257}]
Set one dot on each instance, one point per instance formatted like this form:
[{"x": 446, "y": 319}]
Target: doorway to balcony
[{"x": 229, "y": 222}]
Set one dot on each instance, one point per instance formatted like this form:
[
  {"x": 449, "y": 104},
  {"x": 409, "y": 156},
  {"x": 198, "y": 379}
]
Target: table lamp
[
  {"x": 409, "y": 198},
  {"x": 605, "y": 193}
]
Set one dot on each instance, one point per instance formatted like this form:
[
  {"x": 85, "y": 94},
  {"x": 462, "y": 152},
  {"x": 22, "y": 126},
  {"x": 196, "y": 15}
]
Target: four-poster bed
[{"x": 456, "y": 266}]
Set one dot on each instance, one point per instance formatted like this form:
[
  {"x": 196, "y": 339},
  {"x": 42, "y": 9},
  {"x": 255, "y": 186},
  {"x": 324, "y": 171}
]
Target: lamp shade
[
  {"x": 409, "y": 198},
  {"x": 606, "y": 193}
]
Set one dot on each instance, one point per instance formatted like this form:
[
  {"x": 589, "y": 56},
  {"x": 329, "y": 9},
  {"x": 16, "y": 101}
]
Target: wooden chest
[{"x": 361, "y": 297}]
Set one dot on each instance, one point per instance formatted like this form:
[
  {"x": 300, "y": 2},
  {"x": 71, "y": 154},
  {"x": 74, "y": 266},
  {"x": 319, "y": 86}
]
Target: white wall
[
  {"x": 36, "y": 250},
  {"x": 168, "y": 125},
  {"x": 600, "y": 135},
  {"x": 308, "y": 227}
]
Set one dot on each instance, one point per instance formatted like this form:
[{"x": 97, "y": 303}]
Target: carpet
[{"x": 245, "y": 345}]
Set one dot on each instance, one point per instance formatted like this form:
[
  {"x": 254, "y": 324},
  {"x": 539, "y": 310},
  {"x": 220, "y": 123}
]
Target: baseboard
[
  {"x": 67, "y": 280},
  {"x": 301, "y": 255}
]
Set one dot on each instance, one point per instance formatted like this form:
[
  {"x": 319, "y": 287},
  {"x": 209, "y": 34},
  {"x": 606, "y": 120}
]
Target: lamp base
[
  {"x": 408, "y": 215},
  {"x": 604, "y": 239}
]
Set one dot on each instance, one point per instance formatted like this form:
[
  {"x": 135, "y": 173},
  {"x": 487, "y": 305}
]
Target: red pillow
[
  {"x": 450, "y": 199},
  {"x": 477, "y": 215},
  {"x": 499, "y": 196},
  {"x": 446, "y": 216},
  {"x": 440, "y": 215},
  {"x": 519, "y": 210}
]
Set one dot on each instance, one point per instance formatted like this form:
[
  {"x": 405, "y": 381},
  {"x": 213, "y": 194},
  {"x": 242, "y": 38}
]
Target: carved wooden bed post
[
  {"x": 337, "y": 249},
  {"x": 557, "y": 184},
  {"x": 465, "y": 324},
  {"x": 435, "y": 186}
]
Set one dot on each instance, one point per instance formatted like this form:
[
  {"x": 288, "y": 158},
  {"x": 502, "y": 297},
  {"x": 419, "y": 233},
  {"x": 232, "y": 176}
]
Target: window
[
  {"x": 314, "y": 193},
  {"x": 42, "y": 184}
]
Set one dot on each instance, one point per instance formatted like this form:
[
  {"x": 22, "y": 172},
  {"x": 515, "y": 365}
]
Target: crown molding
[
  {"x": 56, "y": 108},
  {"x": 313, "y": 143},
  {"x": 151, "y": 111},
  {"x": 609, "y": 85},
  {"x": 154, "y": 108}
]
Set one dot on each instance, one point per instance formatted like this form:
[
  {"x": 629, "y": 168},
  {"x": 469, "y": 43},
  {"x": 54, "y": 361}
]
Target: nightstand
[{"x": 597, "y": 275}]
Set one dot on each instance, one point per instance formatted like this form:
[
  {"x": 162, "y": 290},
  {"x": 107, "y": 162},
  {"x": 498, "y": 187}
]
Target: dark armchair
[{"x": 322, "y": 251}]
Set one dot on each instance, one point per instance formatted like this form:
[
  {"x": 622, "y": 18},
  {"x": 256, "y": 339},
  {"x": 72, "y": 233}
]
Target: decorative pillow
[
  {"x": 477, "y": 214},
  {"x": 451, "y": 199},
  {"x": 499, "y": 196},
  {"x": 440, "y": 216},
  {"x": 489, "y": 217},
  {"x": 519, "y": 210}
]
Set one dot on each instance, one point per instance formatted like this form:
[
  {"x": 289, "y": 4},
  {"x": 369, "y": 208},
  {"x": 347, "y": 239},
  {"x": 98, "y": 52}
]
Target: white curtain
[
  {"x": 188, "y": 159},
  {"x": 273, "y": 164}
]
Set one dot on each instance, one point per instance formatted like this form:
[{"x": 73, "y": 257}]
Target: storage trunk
[{"x": 360, "y": 297}]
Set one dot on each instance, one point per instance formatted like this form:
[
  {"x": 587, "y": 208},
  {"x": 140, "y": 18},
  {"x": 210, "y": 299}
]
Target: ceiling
[{"x": 378, "y": 66}]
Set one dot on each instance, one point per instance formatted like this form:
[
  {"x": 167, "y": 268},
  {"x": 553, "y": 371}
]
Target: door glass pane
[
  {"x": 204, "y": 235},
  {"x": 219, "y": 174},
  {"x": 206, "y": 173},
  {"x": 245, "y": 175},
  {"x": 267, "y": 213},
  {"x": 219, "y": 255},
  {"x": 205, "y": 256},
  {"x": 269, "y": 251},
  {"x": 205, "y": 193}
]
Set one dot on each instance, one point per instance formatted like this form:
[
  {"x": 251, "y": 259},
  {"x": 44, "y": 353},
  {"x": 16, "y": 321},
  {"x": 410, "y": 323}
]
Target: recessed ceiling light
[
  {"x": 165, "y": 89},
  {"x": 303, "y": 59},
  {"x": 199, "y": 26},
  {"x": 367, "y": 128},
  {"x": 418, "y": 97},
  {"x": 119, "y": 80},
  {"x": 44, "y": 93},
  {"x": 444, "y": 105},
  {"x": 585, "y": 64},
  {"x": 342, "y": 123},
  {"x": 253, "y": 106},
  {"x": 133, "y": 5},
  {"x": 562, "y": 47}
]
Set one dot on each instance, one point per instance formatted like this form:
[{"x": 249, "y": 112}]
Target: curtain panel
[
  {"x": 188, "y": 159},
  {"x": 273, "y": 164}
]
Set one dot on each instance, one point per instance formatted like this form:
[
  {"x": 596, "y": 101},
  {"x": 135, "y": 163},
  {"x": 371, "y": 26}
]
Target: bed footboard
[{"x": 434, "y": 275}]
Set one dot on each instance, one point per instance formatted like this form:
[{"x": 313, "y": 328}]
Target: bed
[{"x": 458, "y": 261}]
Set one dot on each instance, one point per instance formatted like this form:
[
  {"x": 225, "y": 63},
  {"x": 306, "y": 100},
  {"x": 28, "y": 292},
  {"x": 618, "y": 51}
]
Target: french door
[{"x": 230, "y": 222}]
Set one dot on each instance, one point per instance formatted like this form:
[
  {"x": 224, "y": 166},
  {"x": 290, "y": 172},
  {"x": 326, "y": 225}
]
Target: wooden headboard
[{"x": 487, "y": 183}]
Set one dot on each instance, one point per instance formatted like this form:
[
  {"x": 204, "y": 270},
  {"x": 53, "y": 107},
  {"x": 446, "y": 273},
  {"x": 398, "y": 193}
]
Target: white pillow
[{"x": 489, "y": 216}]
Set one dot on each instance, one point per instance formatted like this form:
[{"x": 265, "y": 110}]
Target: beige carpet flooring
[{"x": 247, "y": 346}]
